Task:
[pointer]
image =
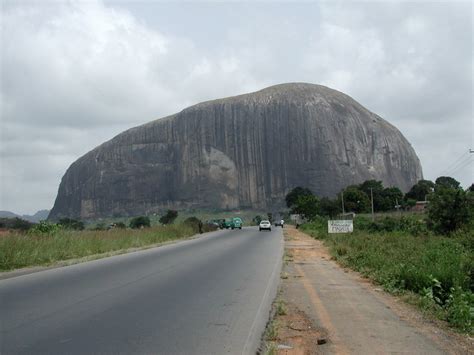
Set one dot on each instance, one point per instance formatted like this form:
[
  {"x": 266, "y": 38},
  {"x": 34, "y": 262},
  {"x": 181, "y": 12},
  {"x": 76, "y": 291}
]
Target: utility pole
[
  {"x": 372, "y": 202},
  {"x": 342, "y": 198},
  {"x": 397, "y": 206}
]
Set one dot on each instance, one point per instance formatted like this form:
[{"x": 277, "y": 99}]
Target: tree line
[{"x": 450, "y": 207}]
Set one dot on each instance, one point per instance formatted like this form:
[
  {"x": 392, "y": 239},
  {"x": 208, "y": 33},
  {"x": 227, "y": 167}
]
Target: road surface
[{"x": 210, "y": 295}]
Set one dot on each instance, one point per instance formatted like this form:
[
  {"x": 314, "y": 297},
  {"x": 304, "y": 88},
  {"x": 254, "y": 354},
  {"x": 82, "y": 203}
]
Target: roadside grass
[
  {"x": 22, "y": 250},
  {"x": 435, "y": 273}
]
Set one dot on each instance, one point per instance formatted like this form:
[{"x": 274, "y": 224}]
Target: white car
[{"x": 265, "y": 225}]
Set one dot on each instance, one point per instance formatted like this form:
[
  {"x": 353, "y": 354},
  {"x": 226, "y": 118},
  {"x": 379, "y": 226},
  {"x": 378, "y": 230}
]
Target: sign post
[{"x": 340, "y": 226}]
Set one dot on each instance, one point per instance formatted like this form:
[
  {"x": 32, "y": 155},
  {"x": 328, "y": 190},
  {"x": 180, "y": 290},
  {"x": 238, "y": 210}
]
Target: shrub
[
  {"x": 44, "y": 228},
  {"x": 100, "y": 227},
  {"x": 120, "y": 225},
  {"x": 194, "y": 223},
  {"x": 140, "y": 222},
  {"x": 449, "y": 209},
  {"x": 460, "y": 309},
  {"x": 69, "y": 223},
  {"x": 209, "y": 227},
  {"x": 169, "y": 217}
]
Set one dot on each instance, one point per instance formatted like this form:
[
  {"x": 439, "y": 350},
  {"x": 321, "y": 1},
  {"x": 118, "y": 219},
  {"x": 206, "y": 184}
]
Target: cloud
[{"x": 75, "y": 73}]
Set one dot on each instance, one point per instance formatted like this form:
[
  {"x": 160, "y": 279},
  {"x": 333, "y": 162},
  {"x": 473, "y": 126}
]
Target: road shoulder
[{"x": 323, "y": 308}]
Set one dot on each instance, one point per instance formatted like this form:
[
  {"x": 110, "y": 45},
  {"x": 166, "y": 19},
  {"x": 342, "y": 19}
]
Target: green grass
[
  {"x": 22, "y": 250},
  {"x": 436, "y": 270}
]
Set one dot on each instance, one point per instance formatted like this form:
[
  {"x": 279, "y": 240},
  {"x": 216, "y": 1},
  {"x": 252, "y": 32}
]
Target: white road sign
[{"x": 340, "y": 226}]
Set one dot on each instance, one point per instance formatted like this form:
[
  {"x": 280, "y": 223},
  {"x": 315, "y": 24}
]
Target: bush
[
  {"x": 140, "y": 222},
  {"x": 120, "y": 225},
  {"x": 169, "y": 217},
  {"x": 209, "y": 227},
  {"x": 195, "y": 223},
  {"x": 72, "y": 224},
  {"x": 461, "y": 309},
  {"x": 257, "y": 219},
  {"x": 45, "y": 228},
  {"x": 100, "y": 227},
  {"x": 449, "y": 209},
  {"x": 411, "y": 225}
]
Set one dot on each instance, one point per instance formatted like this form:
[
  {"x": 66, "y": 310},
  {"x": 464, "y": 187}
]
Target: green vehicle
[{"x": 232, "y": 223}]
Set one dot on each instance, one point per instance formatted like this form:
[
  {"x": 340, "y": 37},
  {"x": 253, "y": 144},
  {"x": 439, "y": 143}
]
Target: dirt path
[{"x": 330, "y": 310}]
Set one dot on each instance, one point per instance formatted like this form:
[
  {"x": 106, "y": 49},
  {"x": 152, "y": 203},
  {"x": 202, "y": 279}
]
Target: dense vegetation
[
  {"x": 428, "y": 256},
  {"x": 450, "y": 208},
  {"x": 403, "y": 256}
]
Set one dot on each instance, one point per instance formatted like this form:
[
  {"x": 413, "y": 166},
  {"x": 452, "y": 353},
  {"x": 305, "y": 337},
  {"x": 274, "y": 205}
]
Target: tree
[
  {"x": 446, "y": 181},
  {"x": 374, "y": 188},
  {"x": 140, "y": 222},
  {"x": 390, "y": 196},
  {"x": 329, "y": 208},
  {"x": 292, "y": 196},
  {"x": 449, "y": 209},
  {"x": 306, "y": 205},
  {"x": 355, "y": 200},
  {"x": 15, "y": 223},
  {"x": 169, "y": 217},
  {"x": 257, "y": 219},
  {"x": 420, "y": 190},
  {"x": 270, "y": 217}
]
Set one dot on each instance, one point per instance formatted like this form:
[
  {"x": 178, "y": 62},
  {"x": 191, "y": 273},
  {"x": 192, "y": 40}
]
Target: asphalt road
[{"x": 209, "y": 295}]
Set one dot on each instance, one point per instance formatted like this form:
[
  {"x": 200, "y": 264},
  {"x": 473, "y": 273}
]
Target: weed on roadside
[
  {"x": 271, "y": 333},
  {"x": 437, "y": 270},
  {"x": 281, "y": 308}
]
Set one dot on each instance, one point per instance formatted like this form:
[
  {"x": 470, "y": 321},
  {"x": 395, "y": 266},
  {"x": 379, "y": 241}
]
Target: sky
[{"x": 74, "y": 74}]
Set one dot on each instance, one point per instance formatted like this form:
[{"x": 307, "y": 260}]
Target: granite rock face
[{"x": 245, "y": 151}]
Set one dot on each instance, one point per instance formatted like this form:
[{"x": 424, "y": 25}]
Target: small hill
[{"x": 38, "y": 216}]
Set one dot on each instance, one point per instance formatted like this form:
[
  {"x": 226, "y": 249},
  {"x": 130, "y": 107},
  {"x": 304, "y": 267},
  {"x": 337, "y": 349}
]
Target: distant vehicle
[
  {"x": 265, "y": 225},
  {"x": 237, "y": 222},
  {"x": 279, "y": 223},
  {"x": 233, "y": 223},
  {"x": 220, "y": 223}
]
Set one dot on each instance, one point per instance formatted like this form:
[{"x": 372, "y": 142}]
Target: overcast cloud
[{"x": 76, "y": 73}]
